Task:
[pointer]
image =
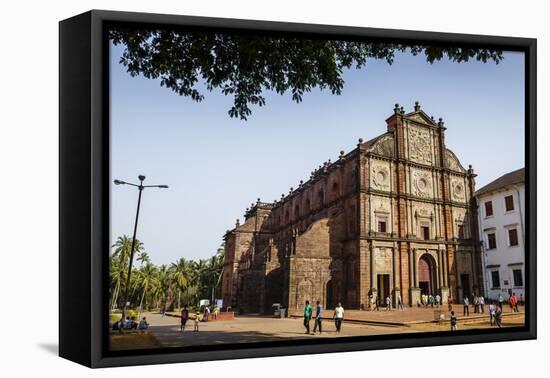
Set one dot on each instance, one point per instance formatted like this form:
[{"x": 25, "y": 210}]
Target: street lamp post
[{"x": 140, "y": 187}]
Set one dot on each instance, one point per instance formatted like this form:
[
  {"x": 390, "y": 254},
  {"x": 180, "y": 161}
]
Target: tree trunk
[{"x": 115, "y": 295}]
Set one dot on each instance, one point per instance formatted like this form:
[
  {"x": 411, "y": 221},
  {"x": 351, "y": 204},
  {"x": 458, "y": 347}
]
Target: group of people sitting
[{"x": 130, "y": 324}]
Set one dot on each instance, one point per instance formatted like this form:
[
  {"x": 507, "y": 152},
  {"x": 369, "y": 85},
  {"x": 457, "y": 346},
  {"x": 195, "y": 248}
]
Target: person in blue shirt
[{"x": 318, "y": 315}]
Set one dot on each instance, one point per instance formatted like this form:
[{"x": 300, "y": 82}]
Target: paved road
[
  {"x": 244, "y": 329},
  {"x": 413, "y": 315}
]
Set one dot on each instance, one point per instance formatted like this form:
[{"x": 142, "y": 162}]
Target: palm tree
[
  {"x": 182, "y": 275},
  {"x": 119, "y": 262},
  {"x": 143, "y": 258},
  {"x": 147, "y": 277}
]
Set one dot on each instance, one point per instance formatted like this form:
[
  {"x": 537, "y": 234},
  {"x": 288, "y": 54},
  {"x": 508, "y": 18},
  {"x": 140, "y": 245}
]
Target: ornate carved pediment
[
  {"x": 452, "y": 161},
  {"x": 421, "y": 117},
  {"x": 383, "y": 146},
  {"x": 420, "y": 145}
]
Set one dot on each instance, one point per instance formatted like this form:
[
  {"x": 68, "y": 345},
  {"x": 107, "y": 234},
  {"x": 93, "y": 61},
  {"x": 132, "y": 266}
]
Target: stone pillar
[
  {"x": 440, "y": 270},
  {"x": 372, "y": 271},
  {"x": 395, "y": 269},
  {"x": 415, "y": 290}
]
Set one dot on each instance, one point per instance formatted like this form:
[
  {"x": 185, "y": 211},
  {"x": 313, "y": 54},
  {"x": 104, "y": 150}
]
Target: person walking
[
  {"x": 500, "y": 300},
  {"x": 197, "y": 319},
  {"x": 498, "y": 317},
  {"x": 184, "y": 317},
  {"x": 376, "y": 303},
  {"x": 521, "y": 299},
  {"x": 492, "y": 313},
  {"x": 399, "y": 302},
  {"x": 453, "y": 321},
  {"x": 431, "y": 300},
  {"x": 307, "y": 316},
  {"x": 482, "y": 304},
  {"x": 163, "y": 310},
  {"x": 371, "y": 302},
  {"x": 466, "y": 306},
  {"x": 338, "y": 317},
  {"x": 206, "y": 313},
  {"x": 476, "y": 304},
  {"x": 514, "y": 303},
  {"x": 318, "y": 314},
  {"x": 437, "y": 300},
  {"x": 388, "y": 303}
]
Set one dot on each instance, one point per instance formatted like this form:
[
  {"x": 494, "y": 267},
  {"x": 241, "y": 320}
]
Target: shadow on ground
[{"x": 52, "y": 348}]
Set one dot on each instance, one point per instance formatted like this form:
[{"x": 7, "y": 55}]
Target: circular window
[
  {"x": 458, "y": 189},
  {"x": 381, "y": 177},
  {"x": 422, "y": 184}
]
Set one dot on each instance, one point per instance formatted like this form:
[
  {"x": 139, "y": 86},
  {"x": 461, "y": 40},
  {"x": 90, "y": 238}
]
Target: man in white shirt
[
  {"x": 338, "y": 316},
  {"x": 482, "y": 304}
]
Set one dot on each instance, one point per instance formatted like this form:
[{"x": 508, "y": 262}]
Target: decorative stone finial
[
  {"x": 440, "y": 123},
  {"x": 396, "y": 109},
  {"x": 360, "y": 140},
  {"x": 402, "y": 110},
  {"x": 258, "y": 200},
  {"x": 290, "y": 190},
  {"x": 416, "y": 106},
  {"x": 237, "y": 223}
]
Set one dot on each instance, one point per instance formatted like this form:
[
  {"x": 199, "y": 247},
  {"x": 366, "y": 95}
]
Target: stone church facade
[{"x": 396, "y": 216}]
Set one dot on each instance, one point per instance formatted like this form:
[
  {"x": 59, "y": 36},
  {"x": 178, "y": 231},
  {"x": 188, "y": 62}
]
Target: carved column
[{"x": 411, "y": 267}]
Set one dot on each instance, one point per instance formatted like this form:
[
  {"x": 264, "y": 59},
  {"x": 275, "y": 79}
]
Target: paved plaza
[{"x": 249, "y": 329}]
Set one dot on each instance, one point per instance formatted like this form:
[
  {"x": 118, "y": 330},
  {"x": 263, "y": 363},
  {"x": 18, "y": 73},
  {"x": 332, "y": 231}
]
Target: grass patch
[
  {"x": 133, "y": 340},
  {"x": 114, "y": 317}
]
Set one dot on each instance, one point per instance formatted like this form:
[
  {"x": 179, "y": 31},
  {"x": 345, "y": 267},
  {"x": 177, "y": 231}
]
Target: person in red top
[{"x": 514, "y": 303}]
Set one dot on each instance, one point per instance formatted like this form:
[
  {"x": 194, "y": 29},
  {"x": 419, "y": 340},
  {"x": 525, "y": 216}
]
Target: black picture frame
[{"x": 84, "y": 191}]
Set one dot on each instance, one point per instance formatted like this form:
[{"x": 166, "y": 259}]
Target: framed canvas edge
[{"x": 99, "y": 208}]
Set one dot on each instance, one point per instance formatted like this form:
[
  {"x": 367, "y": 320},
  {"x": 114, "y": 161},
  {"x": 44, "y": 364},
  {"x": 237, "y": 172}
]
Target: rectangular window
[
  {"x": 425, "y": 230},
  {"x": 495, "y": 279},
  {"x": 518, "y": 277},
  {"x": 491, "y": 240},
  {"x": 488, "y": 208},
  {"x": 509, "y": 201},
  {"x": 513, "y": 237},
  {"x": 382, "y": 225},
  {"x": 461, "y": 231}
]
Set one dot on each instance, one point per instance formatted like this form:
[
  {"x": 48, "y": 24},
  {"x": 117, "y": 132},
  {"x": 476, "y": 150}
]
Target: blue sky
[{"x": 216, "y": 166}]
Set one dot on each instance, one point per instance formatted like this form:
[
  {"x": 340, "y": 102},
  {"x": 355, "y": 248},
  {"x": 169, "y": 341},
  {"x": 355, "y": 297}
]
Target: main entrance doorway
[
  {"x": 426, "y": 270},
  {"x": 465, "y": 282},
  {"x": 383, "y": 288}
]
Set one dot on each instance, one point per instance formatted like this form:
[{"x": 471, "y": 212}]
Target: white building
[{"x": 502, "y": 232}]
